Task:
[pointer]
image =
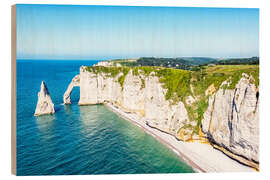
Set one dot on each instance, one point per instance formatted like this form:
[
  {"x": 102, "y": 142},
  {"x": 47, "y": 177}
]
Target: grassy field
[{"x": 217, "y": 74}]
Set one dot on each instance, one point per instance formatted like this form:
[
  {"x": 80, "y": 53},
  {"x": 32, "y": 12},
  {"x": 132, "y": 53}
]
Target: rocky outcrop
[
  {"x": 74, "y": 82},
  {"x": 44, "y": 104},
  {"x": 232, "y": 119}
]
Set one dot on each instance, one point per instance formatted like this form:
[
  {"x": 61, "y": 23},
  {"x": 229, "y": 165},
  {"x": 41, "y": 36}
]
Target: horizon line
[{"x": 97, "y": 59}]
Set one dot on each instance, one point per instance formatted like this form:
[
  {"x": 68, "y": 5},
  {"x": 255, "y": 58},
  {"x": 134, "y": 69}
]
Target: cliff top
[
  {"x": 183, "y": 85},
  {"x": 206, "y": 74}
]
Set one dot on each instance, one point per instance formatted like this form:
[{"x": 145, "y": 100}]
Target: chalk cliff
[
  {"x": 230, "y": 121},
  {"x": 44, "y": 104},
  {"x": 139, "y": 94}
]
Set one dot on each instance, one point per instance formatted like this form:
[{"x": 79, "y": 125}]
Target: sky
[{"x": 107, "y": 32}]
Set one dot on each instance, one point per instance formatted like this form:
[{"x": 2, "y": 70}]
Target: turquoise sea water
[{"x": 79, "y": 139}]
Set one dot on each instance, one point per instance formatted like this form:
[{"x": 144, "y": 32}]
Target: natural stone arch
[{"x": 75, "y": 82}]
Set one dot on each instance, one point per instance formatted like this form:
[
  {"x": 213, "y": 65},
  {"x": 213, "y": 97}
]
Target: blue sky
[{"x": 104, "y": 32}]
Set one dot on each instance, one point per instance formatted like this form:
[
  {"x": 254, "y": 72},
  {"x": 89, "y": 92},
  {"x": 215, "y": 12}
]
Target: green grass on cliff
[
  {"x": 182, "y": 83},
  {"x": 235, "y": 72},
  {"x": 201, "y": 80},
  {"x": 109, "y": 71},
  {"x": 176, "y": 81},
  {"x": 121, "y": 79}
]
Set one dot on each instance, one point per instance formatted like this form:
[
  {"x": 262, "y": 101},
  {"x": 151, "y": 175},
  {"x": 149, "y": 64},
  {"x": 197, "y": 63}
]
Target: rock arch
[{"x": 75, "y": 82}]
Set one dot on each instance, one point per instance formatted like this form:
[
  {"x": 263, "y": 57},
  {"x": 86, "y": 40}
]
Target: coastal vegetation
[
  {"x": 181, "y": 84},
  {"x": 186, "y": 63}
]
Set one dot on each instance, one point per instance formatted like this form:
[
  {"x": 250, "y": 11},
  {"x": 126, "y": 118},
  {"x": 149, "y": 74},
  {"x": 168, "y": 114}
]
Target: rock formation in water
[
  {"x": 231, "y": 121},
  {"x": 75, "y": 82},
  {"x": 44, "y": 104}
]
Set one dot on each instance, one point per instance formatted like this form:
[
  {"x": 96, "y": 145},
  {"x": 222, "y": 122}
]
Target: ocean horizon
[{"x": 80, "y": 139}]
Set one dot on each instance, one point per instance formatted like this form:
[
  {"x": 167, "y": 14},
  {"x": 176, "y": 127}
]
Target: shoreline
[{"x": 194, "y": 154}]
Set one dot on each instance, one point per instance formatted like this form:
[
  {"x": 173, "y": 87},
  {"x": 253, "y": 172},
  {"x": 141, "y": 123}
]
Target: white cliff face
[
  {"x": 44, "y": 104},
  {"x": 232, "y": 119},
  {"x": 98, "y": 88},
  {"x": 75, "y": 82},
  {"x": 208, "y": 115},
  {"x": 142, "y": 95},
  {"x": 107, "y": 64},
  {"x": 159, "y": 112},
  {"x": 104, "y": 63}
]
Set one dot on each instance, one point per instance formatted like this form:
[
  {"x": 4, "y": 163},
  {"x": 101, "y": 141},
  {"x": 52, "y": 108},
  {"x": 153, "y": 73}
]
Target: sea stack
[{"x": 44, "y": 104}]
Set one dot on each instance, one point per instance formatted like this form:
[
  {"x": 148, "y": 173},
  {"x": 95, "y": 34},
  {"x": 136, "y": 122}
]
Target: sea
[{"x": 80, "y": 140}]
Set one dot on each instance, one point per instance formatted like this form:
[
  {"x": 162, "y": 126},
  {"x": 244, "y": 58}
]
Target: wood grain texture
[{"x": 13, "y": 89}]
